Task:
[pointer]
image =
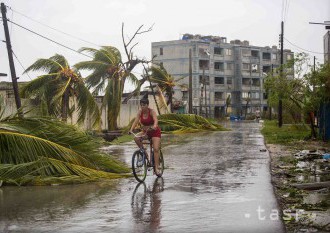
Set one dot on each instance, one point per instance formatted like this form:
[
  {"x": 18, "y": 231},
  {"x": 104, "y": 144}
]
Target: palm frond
[
  {"x": 60, "y": 59},
  {"x": 13, "y": 144},
  {"x": 40, "y": 148},
  {"x": 179, "y": 123},
  {"x": 35, "y": 85},
  {"x": 45, "y": 65},
  {"x": 47, "y": 167},
  {"x": 92, "y": 65},
  {"x": 87, "y": 104}
]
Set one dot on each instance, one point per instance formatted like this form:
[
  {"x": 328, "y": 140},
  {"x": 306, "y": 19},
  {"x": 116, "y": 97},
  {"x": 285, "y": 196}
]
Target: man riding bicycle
[{"x": 148, "y": 118}]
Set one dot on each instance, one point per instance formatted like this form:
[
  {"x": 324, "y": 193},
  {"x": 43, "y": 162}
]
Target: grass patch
[{"x": 284, "y": 135}]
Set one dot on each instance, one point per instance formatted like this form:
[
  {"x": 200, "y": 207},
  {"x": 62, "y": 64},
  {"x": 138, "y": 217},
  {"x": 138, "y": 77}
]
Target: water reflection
[
  {"x": 146, "y": 205},
  {"x": 49, "y": 203}
]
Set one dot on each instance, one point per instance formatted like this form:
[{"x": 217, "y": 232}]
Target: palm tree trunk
[
  {"x": 114, "y": 104},
  {"x": 65, "y": 104},
  {"x": 170, "y": 100}
]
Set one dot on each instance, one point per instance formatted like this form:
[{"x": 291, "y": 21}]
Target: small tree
[
  {"x": 317, "y": 92},
  {"x": 289, "y": 86}
]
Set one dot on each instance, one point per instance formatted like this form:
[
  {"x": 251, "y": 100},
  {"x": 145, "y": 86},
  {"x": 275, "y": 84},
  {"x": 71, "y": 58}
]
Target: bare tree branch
[{"x": 139, "y": 31}]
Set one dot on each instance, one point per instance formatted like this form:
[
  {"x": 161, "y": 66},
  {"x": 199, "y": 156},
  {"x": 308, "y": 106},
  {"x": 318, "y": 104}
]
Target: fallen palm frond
[
  {"x": 185, "y": 123},
  {"x": 40, "y": 149}
]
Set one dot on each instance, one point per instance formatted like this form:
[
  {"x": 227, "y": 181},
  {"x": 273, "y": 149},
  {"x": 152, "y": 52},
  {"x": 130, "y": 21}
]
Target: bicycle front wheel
[{"x": 139, "y": 166}]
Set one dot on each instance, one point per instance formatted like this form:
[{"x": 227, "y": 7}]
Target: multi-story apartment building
[{"x": 226, "y": 77}]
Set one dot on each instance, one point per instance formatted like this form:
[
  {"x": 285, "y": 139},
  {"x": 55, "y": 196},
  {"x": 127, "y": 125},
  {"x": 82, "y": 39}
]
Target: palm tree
[
  {"x": 56, "y": 87},
  {"x": 108, "y": 75},
  {"x": 165, "y": 82}
]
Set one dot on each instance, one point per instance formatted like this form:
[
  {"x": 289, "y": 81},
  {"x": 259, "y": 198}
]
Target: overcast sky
[{"x": 99, "y": 22}]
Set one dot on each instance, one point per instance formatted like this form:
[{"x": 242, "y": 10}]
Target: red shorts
[{"x": 154, "y": 133}]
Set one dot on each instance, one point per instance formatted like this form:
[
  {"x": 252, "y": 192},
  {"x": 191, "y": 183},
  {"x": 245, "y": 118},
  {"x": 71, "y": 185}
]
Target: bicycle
[{"x": 141, "y": 163}]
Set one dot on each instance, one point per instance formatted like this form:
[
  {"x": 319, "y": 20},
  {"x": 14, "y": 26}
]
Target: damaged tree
[{"x": 109, "y": 73}]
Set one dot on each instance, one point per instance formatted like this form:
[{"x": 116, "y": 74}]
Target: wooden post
[{"x": 11, "y": 60}]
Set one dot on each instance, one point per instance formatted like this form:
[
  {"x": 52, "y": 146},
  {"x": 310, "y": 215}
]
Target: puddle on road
[{"x": 217, "y": 181}]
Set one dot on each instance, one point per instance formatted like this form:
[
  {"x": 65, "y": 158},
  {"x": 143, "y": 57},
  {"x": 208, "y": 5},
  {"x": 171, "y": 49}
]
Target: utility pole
[
  {"x": 280, "y": 114},
  {"x": 190, "y": 83},
  {"x": 270, "y": 107},
  {"x": 11, "y": 60},
  {"x": 204, "y": 78},
  {"x": 201, "y": 98}
]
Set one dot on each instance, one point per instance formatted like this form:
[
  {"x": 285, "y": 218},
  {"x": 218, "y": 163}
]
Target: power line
[
  {"x": 45, "y": 25},
  {"x": 303, "y": 48},
  {"x": 21, "y": 64},
  {"x": 49, "y": 39}
]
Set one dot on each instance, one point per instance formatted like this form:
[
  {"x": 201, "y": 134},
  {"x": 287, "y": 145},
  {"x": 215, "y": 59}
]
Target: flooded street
[{"x": 213, "y": 182}]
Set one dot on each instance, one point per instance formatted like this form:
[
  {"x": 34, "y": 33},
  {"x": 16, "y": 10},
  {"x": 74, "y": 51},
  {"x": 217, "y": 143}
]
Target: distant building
[{"x": 230, "y": 75}]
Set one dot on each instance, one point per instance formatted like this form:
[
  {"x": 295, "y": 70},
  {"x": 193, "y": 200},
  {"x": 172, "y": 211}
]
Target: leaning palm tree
[
  {"x": 108, "y": 76},
  {"x": 109, "y": 73},
  {"x": 55, "y": 88},
  {"x": 165, "y": 82}
]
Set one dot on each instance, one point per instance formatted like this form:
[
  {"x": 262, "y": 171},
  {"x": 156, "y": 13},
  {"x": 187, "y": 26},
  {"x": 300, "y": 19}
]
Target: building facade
[{"x": 227, "y": 78}]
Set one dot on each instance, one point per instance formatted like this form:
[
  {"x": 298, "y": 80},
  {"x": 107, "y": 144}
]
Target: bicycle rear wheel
[
  {"x": 161, "y": 164},
  {"x": 139, "y": 166}
]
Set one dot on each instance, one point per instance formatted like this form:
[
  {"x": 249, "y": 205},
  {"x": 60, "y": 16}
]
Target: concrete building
[{"x": 227, "y": 77}]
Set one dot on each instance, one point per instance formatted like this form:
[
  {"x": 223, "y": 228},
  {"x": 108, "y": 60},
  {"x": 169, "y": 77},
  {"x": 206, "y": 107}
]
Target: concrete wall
[{"x": 127, "y": 111}]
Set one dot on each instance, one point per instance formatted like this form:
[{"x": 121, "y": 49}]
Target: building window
[
  {"x": 266, "y": 69},
  {"x": 246, "y": 52},
  {"x": 274, "y": 56},
  {"x": 160, "y": 51},
  {"x": 255, "y": 53},
  {"x": 219, "y": 80},
  {"x": 246, "y": 95},
  {"x": 289, "y": 56},
  {"x": 230, "y": 66},
  {"x": 228, "y": 52},
  {"x": 246, "y": 81},
  {"x": 266, "y": 56},
  {"x": 255, "y": 95},
  {"x": 229, "y": 81},
  {"x": 219, "y": 66},
  {"x": 218, "y": 95},
  {"x": 205, "y": 80},
  {"x": 218, "y": 51},
  {"x": 204, "y": 64},
  {"x": 246, "y": 66},
  {"x": 256, "y": 82}
]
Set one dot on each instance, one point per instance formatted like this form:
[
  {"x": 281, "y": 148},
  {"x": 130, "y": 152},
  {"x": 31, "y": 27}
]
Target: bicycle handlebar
[{"x": 135, "y": 135}]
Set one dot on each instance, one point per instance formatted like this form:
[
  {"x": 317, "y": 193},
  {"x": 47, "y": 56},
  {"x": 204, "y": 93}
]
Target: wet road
[{"x": 214, "y": 182}]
